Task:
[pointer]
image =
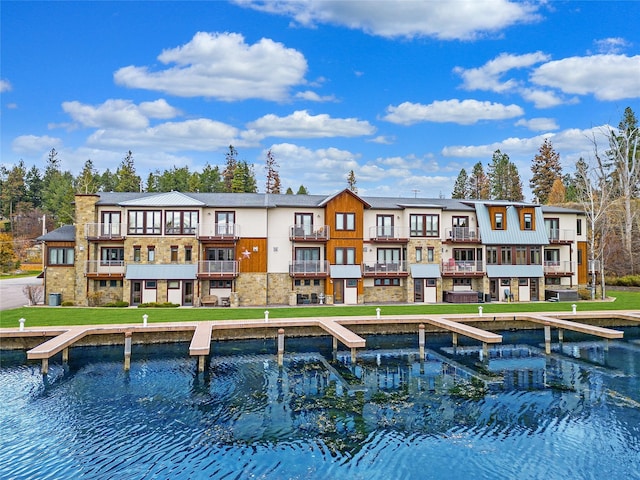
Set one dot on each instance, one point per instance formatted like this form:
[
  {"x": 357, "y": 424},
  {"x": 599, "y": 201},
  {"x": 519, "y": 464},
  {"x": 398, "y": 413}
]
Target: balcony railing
[
  {"x": 218, "y": 268},
  {"x": 388, "y": 233},
  {"x": 462, "y": 234},
  {"x": 308, "y": 268},
  {"x": 557, "y": 235},
  {"x": 309, "y": 233},
  {"x": 462, "y": 267},
  {"x": 218, "y": 231},
  {"x": 558, "y": 268},
  {"x": 105, "y": 267},
  {"x": 385, "y": 268},
  {"x": 104, "y": 231}
]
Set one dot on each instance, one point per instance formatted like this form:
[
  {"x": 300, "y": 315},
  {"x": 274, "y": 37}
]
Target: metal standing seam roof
[
  {"x": 161, "y": 272},
  {"x": 512, "y": 235},
  {"x": 425, "y": 270},
  {"x": 503, "y": 271},
  {"x": 346, "y": 271}
]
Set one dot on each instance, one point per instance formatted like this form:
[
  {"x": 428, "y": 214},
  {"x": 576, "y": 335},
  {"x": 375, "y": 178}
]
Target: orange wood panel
[{"x": 249, "y": 259}]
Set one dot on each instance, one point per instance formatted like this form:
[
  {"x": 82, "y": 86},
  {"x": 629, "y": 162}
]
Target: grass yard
[{"x": 59, "y": 316}]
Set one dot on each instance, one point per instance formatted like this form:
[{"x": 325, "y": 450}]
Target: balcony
[
  {"x": 104, "y": 268},
  {"x": 462, "y": 268},
  {"x": 309, "y": 233},
  {"x": 462, "y": 235},
  {"x": 384, "y": 269},
  {"x": 559, "y": 269},
  {"x": 388, "y": 234},
  {"x": 561, "y": 237},
  {"x": 104, "y": 231},
  {"x": 218, "y": 269},
  {"x": 308, "y": 268},
  {"x": 226, "y": 232}
]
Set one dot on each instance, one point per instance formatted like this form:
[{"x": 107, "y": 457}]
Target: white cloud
[
  {"x": 222, "y": 66},
  {"x": 544, "y": 98},
  {"x": 191, "y": 135},
  {"x": 33, "y": 144},
  {"x": 383, "y": 139},
  {"x": 465, "y": 112},
  {"x": 538, "y": 124},
  {"x": 611, "y": 45},
  {"x": 312, "y": 96},
  {"x": 489, "y": 76},
  {"x": 5, "y": 86},
  {"x": 393, "y": 19},
  {"x": 607, "y": 77},
  {"x": 117, "y": 113},
  {"x": 302, "y": 125}
]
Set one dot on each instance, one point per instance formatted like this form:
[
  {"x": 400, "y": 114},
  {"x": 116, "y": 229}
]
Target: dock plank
[
  {"x": 463, "y": 329},
  {"x": 575, "y": 326},
  {"x": 58, "y": 343},
  {"x": 201, "y": 341},
  {"x": 342, "y": 333}
]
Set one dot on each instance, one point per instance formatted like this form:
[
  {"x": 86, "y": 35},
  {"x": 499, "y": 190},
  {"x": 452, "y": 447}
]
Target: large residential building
[{"x": 244, "y": 249}]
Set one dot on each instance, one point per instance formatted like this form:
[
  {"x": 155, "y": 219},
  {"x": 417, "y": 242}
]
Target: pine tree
[
  {"x": 478, "y": 183},
  {"x": 351, "y": 181},
  {"x": 108, "y": 181},
  {"x": 210, "y": 180},
  {"x": 289, "y": 191},
  {"x": 153, "y": 184},
  {"x": 13, "y": 188},
  {"x": 273, "y": 177},
  {"x": 127, "y": 180},
  {"x": 461, "y": 187},
  {"x": 546, "y": 169},
  {"x": 231, "y": 163},
  {"x": 504, "y": 179},
  {"x": 57, "y": 191},
  {"x": 87, "y": 181},
  {"x": 302, "y": 190},
  {"x": 557, "y": 194},
  {"x": 34, "y": 185}
]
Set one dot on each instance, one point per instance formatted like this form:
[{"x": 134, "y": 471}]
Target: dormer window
[
  {"x": 528, "y": 221},
  {"x": 499, "y": 220}
]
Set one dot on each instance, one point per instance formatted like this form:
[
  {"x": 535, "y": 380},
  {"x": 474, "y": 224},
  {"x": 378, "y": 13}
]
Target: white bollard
[
  {"x": 145, "y": 317},
  {"x": 574, "y": 308},
  {"x": 479, "y": 311},
  {"x": 378, "y": 312},
  {"x": 22, "y": 320},
  {"x": 266, "y": 316}
]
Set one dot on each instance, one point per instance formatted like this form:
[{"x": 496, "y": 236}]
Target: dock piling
[
  {"x": 201, "y": 363},
  {"x": 421, "y": 340},
  {"x": 45, "y": 366},
  {"x": 547, "y": 339},
  {"x": 65, "y": 355},
  {"x": 280, "y": 346},
  {"x": 127, "y": 351}
]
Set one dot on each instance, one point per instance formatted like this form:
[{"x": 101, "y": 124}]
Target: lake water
[{"x": 517, "y": 413}]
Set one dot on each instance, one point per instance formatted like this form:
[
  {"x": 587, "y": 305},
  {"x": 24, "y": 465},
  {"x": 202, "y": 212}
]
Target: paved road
[{"x": 11, "y": 295}]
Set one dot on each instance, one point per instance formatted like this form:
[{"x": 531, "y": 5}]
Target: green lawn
[{"x": 54, "y": 316}]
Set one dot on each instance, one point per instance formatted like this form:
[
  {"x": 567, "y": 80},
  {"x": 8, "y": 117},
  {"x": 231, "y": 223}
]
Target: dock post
[
  {"x": 201, "y": 359},
  {"x": 421, "y": 340},
  {"x": 45, "y": 366},
  {"x": 485, "y": 350},
  {"x": 454, "y": 336},
  {"x": 353, "y": 355},
  {"x": 65, "y": 355},
  {"x": 335, "y": 344},
  {"x": 127, "y": 351},
  {"x": 606, "y": 344},
  {"x": 560, "y": 335},
  {"x": 547, "y": 339},
  {"x": 280, "y": 346}
]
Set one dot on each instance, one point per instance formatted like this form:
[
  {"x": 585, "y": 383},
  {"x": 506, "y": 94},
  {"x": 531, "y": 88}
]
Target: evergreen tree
[
  {"x": 302, "y": 191},
  {"x": 504, "y": 178},
  {"x": 289, "y": 191},
  {"x": 127, "y": 180},
  {"x": 57, "y": 191},
  {"x": 153, "y": 181},
  {"x": 478, "y": 183},
  {"x": 273, "y": 177},
  {"x": 210, "y": 180},
  {"x": 546, "y": 170},
  {"x": 570, "y": 192},
  {"x": 231, "y": 163},
  {"x": 88, "y": 180},
  {"x": 34, "y": 187},
  {"x": 13, "y": 188},
  {"x": 557, "y": 193},
  {"x": 461, "y": 187},
  {"x": 351, "y": 181},
  {"x": 108, "y": 181}
]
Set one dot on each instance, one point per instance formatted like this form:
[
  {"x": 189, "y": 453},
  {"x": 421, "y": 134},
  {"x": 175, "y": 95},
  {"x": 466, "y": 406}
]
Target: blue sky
[{"x": 403, "y": 93}]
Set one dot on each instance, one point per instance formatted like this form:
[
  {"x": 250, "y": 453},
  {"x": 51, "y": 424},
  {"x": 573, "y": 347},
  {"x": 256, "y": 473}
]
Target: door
[
  {"x": 187, "y": 293},
  {"x": 136, "y": 293},
  {"x": 493, "y": 289},
  {"x": 533, "y": 290},
  {"x": 304, "y": 224},
  {"x": 384, "y": 224},
  {"x": 418, "y": 290},
  {"x": 338, "y": 291}
]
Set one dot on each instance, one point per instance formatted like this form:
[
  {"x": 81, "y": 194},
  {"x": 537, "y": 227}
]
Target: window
[
  {"x": 505, "y": 256},
  {"x": 424, "y": 225},
  {"x": 388, "y": 255},
  {"x": 352, "y": 282},
  {"x": 180, "y": 223},
  {"x": 115, "y": 283},
  {"x": 173, "y": 284},
  {"x": 297, "y": 282},
  {"x": 521, "y": 255},
  {"x": 386, "y": 282},
  {"x": 225, "y": 223},
  {"x": 136, "y": 253},
  {"x": 308, "y": 254},
  {"x": 61, "y": 256},
  {"x": 150, "y": 284},
  {"x": 307, "y": 282},
  {"x": 384, "y": 226},
  {"x": 220, "y": 254},
  {"x": 492, "y": 255},
  {"x": 505, "y": 282},
  {"x": 316, "y": 282},
  {"x": 174, "y": 253},
  {"x": 345, "y": 256},
  {"x": 220, "y": 284},
  {"x": 498, "y": 220},
  {"x": 579, "y": 257},
  {"x": 110, "y": 224},
  {"x": 523, "y": 282},
  {"x": 151, "y": 254},
  {"x": 552, "y": 280},
  {"x": 188, "y": 254},
  {"x": 553, "y": 228},
  {"x": 303, "y": 224},
  {"x": 528, "y": 221},
  {"x": 462, "y": 282},
  {"x": 101, "y": 283},
  {"x": 552, "y": 256},
  {"x": 536, "y": 258},
  {"x": 579, "y": 226},
  {"x": 345, "y": 221},
  {"x": 431, "y": 282},
  {"x": 145, "y": 222},
  {"x": 111, "y": 256},
  {"x": 418, "y": 254},
  {"x": 464, "y": 254},
  {"x": 430, "y": 254}
]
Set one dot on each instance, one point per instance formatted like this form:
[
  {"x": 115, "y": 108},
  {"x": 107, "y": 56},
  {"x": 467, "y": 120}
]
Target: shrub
[
  {"x": 584, "y": 294},
  {"x": 67, "y": 303},
  {"x": 158, "y": 305},
  {"x": 626, "y": 281},
  {"x": 118, "y": 304}
]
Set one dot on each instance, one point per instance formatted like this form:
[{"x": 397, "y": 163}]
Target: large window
[
  {"x": 304, "y": 224},
  {"x": 225, "y": 223},
  {"x": 492, "y": 255},
  {"x": 345, "y": 221},
  {"x": 110, "y": 223},
  {"x": 112, "y": 256},
  {"x": 388, "y": 255},
  {"x": 552, "y": 256},
  {"x": 181, "y": 223},
  {"x": 345, "y": 256},
  {"x": 528, "y": 221},
  {"x": 145, "y": 222},
  {"x": 521, "y": 255},
  {"x": 224, "y": 254},
  {"x": 384, "y": 226},
  {"x": 553, "y": 228},
  {"x": 505, "y": 256},
  {"x": 307, "y": 254},
  {"x": 424, "y": 225},
  {"x": 536, "y": 257},
  {"x": 61, "y": 256}
]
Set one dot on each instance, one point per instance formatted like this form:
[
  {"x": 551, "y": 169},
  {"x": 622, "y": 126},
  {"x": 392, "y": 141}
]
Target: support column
[
  {"x": 280, "y": 346},
  {"x": 547, "y": 339},
  {"x": 65, "y": 355},
  {"x": 353, "y": 355},
  {"x": 606, "y": 344},
  {"x": 421, "y": 340},
  {"x": 127, "y": 351},
  {"x": 560, "y": 335},
  {"x": 454, "y": 336},
  {"x": 45, "y": 366},
  {"x": 335, "y": 343},
  {"x": 201, "y": 363},
  {"x": 485, "y": 350}
]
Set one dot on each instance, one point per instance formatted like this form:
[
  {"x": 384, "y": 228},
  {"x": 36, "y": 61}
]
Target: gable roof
[
  {"x": 512, "y": 235},
  {"x": 169, "y": 199},
  {"x": 345, "y": 191},
  {"x": 66, "y": 233}
]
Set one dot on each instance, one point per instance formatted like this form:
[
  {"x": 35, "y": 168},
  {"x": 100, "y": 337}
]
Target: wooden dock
[{"x": 337, "y": 327}]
